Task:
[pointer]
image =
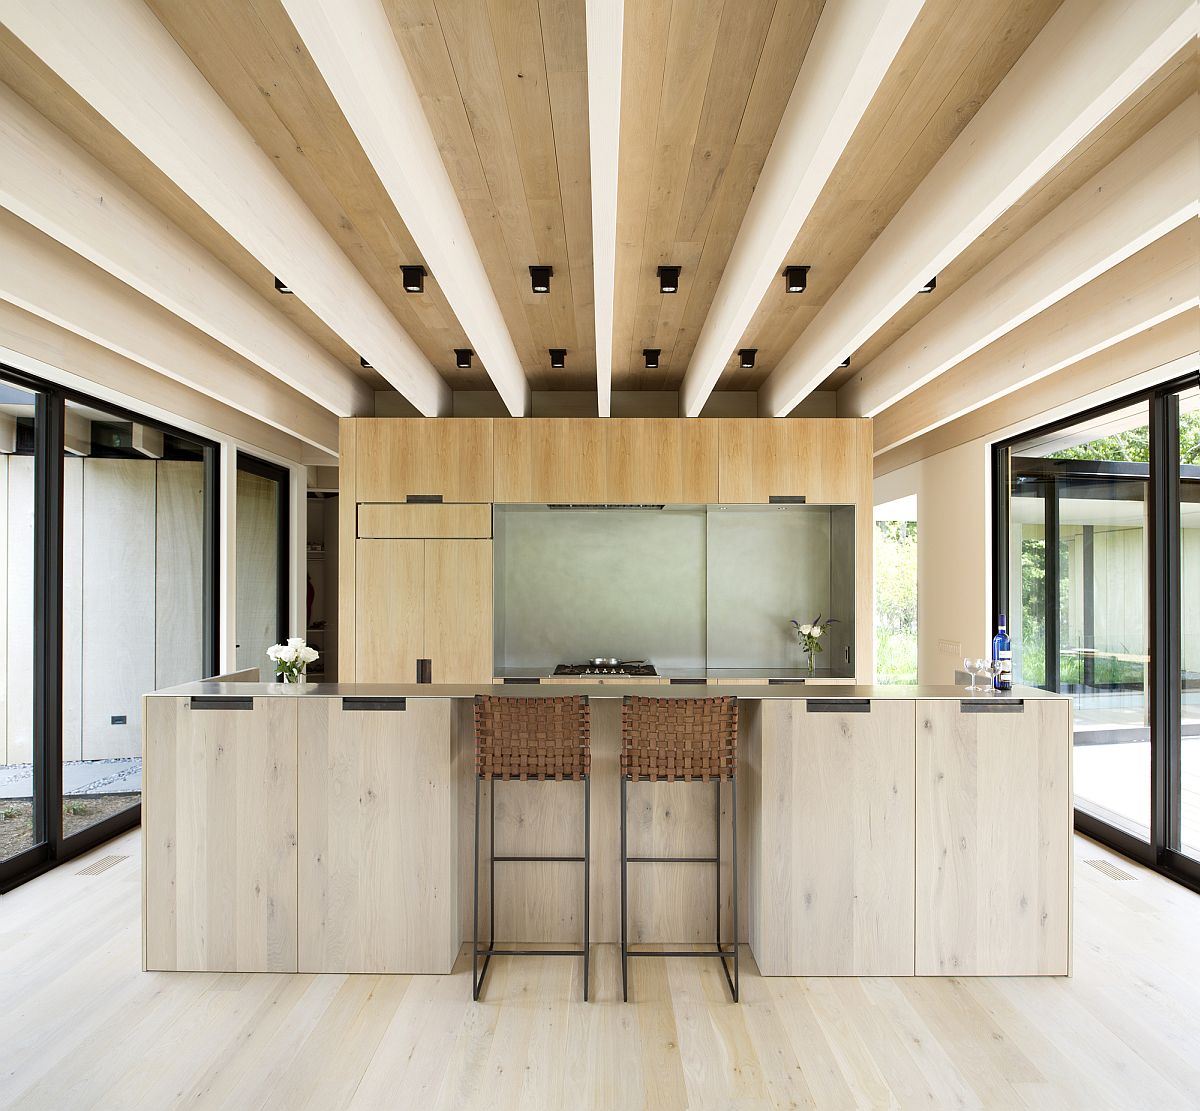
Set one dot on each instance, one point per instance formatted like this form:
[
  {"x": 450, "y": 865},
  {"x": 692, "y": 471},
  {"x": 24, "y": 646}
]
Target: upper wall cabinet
[
  {"x": 591, "y": 461},
  {"x": 447, "y": 457},
  {"x": 823, "y": 461}
]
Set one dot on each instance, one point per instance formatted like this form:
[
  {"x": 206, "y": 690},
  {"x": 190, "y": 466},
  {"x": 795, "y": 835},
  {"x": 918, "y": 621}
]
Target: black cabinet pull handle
[
  {"x": 837, "y": 705},
  {"x": 360, "y": 703},
  {"x": 786, "y": 499},
  {"x": 424, "y": 671},
  {"x": 424, "y": 499},
  {"x": 977, "y": 706},
  {"x": 220, "y": 702}
]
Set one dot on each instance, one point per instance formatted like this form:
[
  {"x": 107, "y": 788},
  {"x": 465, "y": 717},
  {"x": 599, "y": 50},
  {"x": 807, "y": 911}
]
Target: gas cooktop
[{"x": 618, "y": 668}]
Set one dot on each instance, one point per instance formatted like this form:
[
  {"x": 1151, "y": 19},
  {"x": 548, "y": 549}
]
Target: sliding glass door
[
  {"x": 1097, "y": 562},
  {"x": 107, "y": 561}
]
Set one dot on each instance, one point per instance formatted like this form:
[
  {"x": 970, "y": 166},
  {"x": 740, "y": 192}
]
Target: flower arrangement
[
  {"x": 292, "y": 659},
  {"x": 809, "y": 637}
]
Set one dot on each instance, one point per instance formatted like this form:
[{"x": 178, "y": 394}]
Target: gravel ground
[{"x": 79, "y": 812}]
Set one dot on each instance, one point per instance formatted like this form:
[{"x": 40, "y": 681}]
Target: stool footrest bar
[
  {"x": 680, "y": 953},
  {"x": 529, "y": 953},
  {"x": 672, "y": 859},
  {"x": 577, "y": 859}
]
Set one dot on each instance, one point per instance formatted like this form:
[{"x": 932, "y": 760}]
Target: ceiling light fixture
[
  {"x": 651, "y": 354},
  {"x": 414, "y": 278},
  {"x": 558, "y": 357},
  {"x": 539, "y": 278},
  {"x": 795, "y": 278},
  {"x": 364, "y": 364},
  {"x": 845, "y": 362},
  {"x": 668, "y": 279},
  {"x": 929, "y": 286},
  {"x": 462, "y": 358},
  {"x": 746, "y": 355},
  {"x": 281, "y": 288}
]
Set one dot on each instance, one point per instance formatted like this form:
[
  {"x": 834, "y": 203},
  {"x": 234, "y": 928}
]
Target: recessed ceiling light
[
  {"x": 462, "y": 358},
  {"x": 746, "y": 355},
  {"x": 845, "y": 361},
  {"x": 364, "y": 364},
  {"x": 795, "y": 278},
  {"x": 539, "y": 278},
  {"x": 651, "y": 354},
  {"x": 414, "y": 278},
  {"x": 929, "y": 286},
  {"x": 668, "y": 279},
  {"x": 558, "y": 357},
  {"x": 281, "y": 288}
]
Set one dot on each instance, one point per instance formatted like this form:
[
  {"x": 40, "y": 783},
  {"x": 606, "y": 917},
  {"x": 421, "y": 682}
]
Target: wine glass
[
  {"x": 989, "y": 670},
  {"x": 971, "y": 666}
]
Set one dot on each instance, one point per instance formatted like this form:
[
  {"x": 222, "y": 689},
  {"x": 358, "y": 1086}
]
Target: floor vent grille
[
  {"x": 101, "y": 865},
  {"x": 1110, "y": 870}
]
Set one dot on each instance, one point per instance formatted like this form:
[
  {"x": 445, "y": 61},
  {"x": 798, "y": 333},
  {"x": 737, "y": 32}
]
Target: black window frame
[
  {"x": 51, "y": 847},
  {"x": 1163, "y": 491}
]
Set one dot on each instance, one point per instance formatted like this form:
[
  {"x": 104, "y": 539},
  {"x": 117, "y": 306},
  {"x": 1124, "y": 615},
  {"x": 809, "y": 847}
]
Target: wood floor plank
[{"x": 83, "y": 1027}]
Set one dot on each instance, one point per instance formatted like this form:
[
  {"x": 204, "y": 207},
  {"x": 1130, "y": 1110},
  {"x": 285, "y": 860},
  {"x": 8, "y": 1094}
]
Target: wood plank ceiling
[{"x": 504, "y": 86}]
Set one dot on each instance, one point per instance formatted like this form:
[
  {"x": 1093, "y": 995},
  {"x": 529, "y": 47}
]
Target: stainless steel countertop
[{"x": 592, "y": 690}]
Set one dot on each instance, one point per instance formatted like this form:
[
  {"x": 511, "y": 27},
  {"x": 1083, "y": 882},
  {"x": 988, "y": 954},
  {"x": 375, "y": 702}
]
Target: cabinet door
[
  {"x": 661, "y": 460},
  {"x": 835, "y": 871},
  {"x": 378, "y": 861},
  {"x": 219, "y": 829},
  {"x": 399, "y": 457},
  {"x": 824, "y": 461},
  {"x": 994, "y": 814},
  {"x": 458, "y": 610},
  {"x": 389, "y": 610},
  {"x": 549, "y": 460}
]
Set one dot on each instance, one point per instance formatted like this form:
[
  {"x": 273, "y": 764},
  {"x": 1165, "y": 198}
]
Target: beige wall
[{"x": 953, "y": 555}]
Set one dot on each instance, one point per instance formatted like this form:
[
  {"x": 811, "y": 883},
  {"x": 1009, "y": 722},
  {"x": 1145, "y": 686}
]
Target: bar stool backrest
[
  {"x": 532, "y": 738},
  {"x": 679, "y": 738}
]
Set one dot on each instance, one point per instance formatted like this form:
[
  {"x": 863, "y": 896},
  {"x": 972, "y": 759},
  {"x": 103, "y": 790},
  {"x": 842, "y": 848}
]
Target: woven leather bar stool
[
  {"x": 538, "y": 739},
  {"x": 670, "y": 740}
]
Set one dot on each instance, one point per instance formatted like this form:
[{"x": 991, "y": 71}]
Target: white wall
[{"x": 953, "y": 555}]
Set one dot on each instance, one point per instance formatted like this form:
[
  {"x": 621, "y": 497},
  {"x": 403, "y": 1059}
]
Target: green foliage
[
  {"x": 1133, "y": 445},
  {"x": 896, "y": 602}
]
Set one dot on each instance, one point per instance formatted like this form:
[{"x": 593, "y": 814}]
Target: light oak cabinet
[
  {"x": 831, "y": 858},
  {"x": 422, "y": 600},
  {"x": 823, "y": 461},
  {"x": 410, "y": 521},
  {"x": 620, "y": 460},
  {"x": 449, "y": 458},
  {"x": 993, "y": 838},
  {"x": 378, "y": 872},
  {"x": 219, "y": 827}
]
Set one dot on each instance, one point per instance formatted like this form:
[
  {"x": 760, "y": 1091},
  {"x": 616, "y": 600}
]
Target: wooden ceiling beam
[
  {"x": 1155, "y": 355},
  {"x": 1159, "y": 282},
  {"x": 53, "y": 184},
  {"x": 352, "y": 44},
  {"x": 124, "y": 63},
  {"x": 43, "y": 277},
  {"x": 1088, "y": 60},
  {"x": 43, "y": 348},
  {"x": 1145, "y": 193},
  {"x": 854, "y": 45},
  {"x": 605, "y": 31}
]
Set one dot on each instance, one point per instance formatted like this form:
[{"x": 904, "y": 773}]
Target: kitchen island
[{"x": 883, "y": 830}]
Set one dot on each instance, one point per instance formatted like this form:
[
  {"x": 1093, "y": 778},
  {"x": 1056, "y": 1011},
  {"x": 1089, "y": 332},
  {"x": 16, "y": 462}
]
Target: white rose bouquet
[
  {"x": 809, "y": 637},
  {"x": 292, "y": 659}
]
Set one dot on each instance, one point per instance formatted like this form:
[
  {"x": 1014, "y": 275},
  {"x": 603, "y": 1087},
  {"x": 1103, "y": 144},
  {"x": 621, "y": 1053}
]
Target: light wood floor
[{"x": 81, "y": 1026}]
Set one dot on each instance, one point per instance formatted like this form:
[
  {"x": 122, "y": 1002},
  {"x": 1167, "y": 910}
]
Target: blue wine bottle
[{"x": 1002, "y": 657}]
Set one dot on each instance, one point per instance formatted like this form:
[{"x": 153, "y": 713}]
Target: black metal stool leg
[
  {"x": 475, "y": 914},
  {"x": 624, "y": 896},
  {"x": 737, "y": 978},
  {"x": 587, "y": 880},
  {"x": 492, "y": 874},
  {"x": 717, "y": 855}
]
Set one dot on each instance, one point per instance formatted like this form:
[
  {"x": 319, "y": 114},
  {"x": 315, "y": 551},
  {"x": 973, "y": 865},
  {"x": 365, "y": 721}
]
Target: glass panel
[
  {"x": 259, "y": 508},
  {"x": 133, "y": 598},
  {"x": 896, "y": 592},
  {"x": 1189, "y": 595},
  {"x": 17, "y": 825},
  {"x": 1079, "y": 572}
]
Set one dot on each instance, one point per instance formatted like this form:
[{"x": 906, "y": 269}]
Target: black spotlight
[
  {"x": 929, "y": 286},
  {"x": 462, "y": 358},
  {"x": 746, "y": 355},
  {"x": 668, "y": 279},
  {"x": 795, "y": 278},
  {"x": 364, "y": 364},
  {"x": 539, "y": 278},
  {"x": 558, "y": 357},
  {"x": 845, "y": 361},
  {"x": 281, "y": 288},
  {"x": 651, "y": 354},
  {"x": 414, "y": 278}
]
